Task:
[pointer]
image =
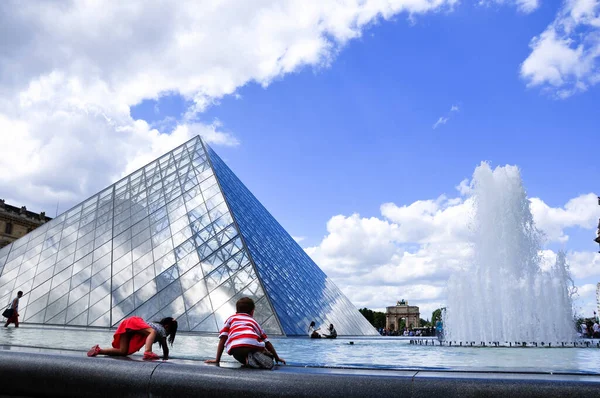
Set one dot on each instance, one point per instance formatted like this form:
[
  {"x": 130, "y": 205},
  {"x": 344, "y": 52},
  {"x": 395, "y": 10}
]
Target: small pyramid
[{"x": 180, "y": 237}]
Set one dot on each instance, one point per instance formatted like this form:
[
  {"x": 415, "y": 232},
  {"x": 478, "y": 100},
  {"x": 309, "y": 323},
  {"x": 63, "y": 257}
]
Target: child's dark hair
[
  {"x": 312, "y": 323},
  {"x": 172, "y": 323},
  {"x": 245, "y": 305}
]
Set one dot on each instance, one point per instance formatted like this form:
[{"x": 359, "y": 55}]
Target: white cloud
[
  {"x": 71, "y": 71},
  {"x": 407, "y": 253},
  {"x": 411, "y": 250},
  {"x": 585, "y": 300},
  {"x": 564, "y": 58},
  {"x": 440, "y": 121},
  {"x": 444, "y": 119},
  {"x": 299, "y": 239},
  {"x": 581, "y": 211},
  {"x": 524, "y": 6},
  {"x": 464, "y": 188},
  {"x": 527, "y": 6},
  {"x": 430, "y": 221},
  {"x": 584, "y": 264}
]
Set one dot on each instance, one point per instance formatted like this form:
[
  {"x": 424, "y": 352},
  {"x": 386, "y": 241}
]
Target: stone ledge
[{"x": 75, "y": 375}]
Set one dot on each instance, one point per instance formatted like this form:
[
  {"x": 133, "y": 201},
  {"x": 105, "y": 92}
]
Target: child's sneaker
[
  {"x": 260, "y": 360},
  {"x": 150, "y": 356},
  {"x": 95, "y": 350}
]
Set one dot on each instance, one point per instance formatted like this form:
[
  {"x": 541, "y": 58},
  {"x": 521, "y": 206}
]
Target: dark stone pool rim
[{"x": 73, "y": 374}]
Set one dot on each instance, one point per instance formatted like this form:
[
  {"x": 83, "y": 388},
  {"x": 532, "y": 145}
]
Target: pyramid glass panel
[
  {"x": 298, "y": 290},
  {"x": 179, "y": 237}
]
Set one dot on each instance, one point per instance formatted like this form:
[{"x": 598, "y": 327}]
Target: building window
[{"x": 8, "y": 228}]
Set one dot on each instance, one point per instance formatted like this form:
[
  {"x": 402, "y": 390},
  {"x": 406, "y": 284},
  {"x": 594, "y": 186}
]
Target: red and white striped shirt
[{"x": 242, "y": 330}]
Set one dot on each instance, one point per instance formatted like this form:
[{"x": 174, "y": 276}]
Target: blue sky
[
  {"x": 353, "y": 122},
  {"x": 348, "y": 137}
]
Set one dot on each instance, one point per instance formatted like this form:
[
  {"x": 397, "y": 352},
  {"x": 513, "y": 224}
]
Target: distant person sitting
[
  {"x": 245, "y": 339},
  {"x": 332, "y": 333},
  {"x": 12, "y": 312},
  {"x": 313, "y": 332}
]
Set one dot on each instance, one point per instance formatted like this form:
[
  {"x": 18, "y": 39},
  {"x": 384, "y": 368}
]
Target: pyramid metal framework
[{"x": 180, "y": 237}]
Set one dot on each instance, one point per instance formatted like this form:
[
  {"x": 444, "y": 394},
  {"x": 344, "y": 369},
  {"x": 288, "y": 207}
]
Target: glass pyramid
[{"x": 181, "y": 237}]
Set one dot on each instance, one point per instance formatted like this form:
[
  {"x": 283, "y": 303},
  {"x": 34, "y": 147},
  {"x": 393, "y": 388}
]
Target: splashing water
[{"x": 505, "y": 296}]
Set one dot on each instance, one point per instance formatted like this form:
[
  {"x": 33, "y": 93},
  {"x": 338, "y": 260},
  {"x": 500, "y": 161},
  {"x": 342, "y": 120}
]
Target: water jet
[{"x": 505, "y": 294}]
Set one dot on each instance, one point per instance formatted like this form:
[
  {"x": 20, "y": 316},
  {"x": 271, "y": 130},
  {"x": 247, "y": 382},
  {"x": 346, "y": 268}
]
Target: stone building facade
[
  {"x": 16, "y": 222},
  {"x": 395, "y": 314}
]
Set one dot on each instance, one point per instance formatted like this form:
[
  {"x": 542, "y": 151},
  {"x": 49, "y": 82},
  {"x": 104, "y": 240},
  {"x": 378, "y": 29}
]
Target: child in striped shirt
[{"x": 245, "y": 340}]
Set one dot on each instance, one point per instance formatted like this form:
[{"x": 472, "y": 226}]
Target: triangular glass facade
[
  {"x": 299, "y": 290},
  {"x": 166, "y": 241}
]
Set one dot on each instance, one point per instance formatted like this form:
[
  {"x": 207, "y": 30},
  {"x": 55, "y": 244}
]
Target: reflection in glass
[
  {"x": 182, "y": 237},
  {"x": 286, "y": 271}
]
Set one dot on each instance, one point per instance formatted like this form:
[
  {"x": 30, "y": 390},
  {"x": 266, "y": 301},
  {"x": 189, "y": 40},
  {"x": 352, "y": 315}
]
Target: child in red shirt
[
  {"x": 245, "y": 340},
  {"x": 134, "y": 333}
]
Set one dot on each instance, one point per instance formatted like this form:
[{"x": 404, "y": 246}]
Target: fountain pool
[{"x": 365, "y": 352}]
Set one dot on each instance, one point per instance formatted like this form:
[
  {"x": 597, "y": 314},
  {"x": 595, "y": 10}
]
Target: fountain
[{"x": 505, "y": 296}]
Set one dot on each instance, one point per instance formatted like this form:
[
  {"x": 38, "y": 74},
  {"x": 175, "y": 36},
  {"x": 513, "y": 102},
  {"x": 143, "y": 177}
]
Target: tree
[
  {"x": 437, "y": 314},
  {"x": 368, "y": 314},
  {"x": 375, "y": 318},
  {"x": 378, "y": 319}
]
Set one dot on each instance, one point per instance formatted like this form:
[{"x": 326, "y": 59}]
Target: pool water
[{"x": 364, "y": 352}]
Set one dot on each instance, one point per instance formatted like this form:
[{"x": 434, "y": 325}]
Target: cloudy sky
[{"x": 358, "y": 124}]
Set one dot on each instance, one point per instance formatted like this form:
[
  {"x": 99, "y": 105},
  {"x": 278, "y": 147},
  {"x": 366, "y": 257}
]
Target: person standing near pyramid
[
  {"x": 13, "y": 311},
  {"x": 133, "y": 333}
]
